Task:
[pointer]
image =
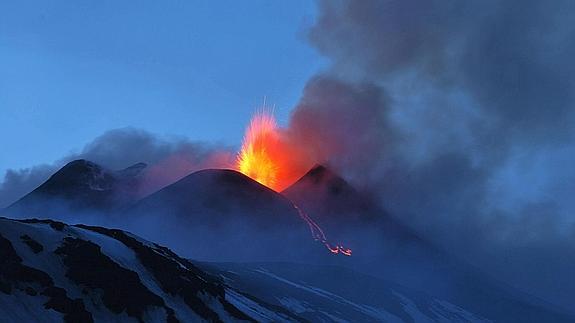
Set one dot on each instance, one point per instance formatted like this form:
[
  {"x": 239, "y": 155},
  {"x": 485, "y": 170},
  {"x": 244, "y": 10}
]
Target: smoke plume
[
  {"x": 461, "y": 116},
  {"x": 168, "y": 160}
]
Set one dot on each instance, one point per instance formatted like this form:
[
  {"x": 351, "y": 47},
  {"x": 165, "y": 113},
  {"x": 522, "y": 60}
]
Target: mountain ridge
[{"x": 80, "y": 185}]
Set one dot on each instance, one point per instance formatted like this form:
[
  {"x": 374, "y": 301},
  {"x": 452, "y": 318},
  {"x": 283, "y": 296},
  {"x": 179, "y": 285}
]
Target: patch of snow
[
  {"x": 294, "y": 305},
  {"x": 377, "y": 314},
  {"x": 253, "y": 309},
  {"x": 19, "y": 307},
  {"x": 411, "y": 308},
  {"x": 448, "y": 312}
]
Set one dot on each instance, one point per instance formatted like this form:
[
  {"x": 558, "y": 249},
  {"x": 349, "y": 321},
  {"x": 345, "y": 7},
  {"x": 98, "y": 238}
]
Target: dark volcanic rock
[
  {"x": 344, "y": 212},
  {"x": 122, "y": 289},
  {"x": 218, "y": 212},
  {"x": 33, "y": 244},
  {"x": 176, "y": 275},
  {"x": 16, "y": 276},
  {"x": 80, "y": 186},
  {"x": 215, "y": 195},
  {"x": 112, "y": 275},
  {"x": 328, "y": 197}
]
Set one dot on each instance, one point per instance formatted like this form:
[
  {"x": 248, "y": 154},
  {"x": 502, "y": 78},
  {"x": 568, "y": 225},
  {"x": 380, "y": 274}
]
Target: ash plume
[
  {"x": 461, "y": 116},
  {"x": 167, "y": 159}
]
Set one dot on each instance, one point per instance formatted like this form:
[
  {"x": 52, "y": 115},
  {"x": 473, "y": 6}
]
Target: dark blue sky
[{"x": 70, "y": 70}]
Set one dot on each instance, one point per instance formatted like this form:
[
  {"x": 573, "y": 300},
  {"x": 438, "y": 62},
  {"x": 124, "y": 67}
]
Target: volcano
[
  {"x": 219, "y": 216},
  {"x": 387, "y": 249},
  {"x": 343, "y": 211},
  {"x": 80, "y": 186},
  {"x": 226, "y": 210},
  {"x": 208, "y": 196}
]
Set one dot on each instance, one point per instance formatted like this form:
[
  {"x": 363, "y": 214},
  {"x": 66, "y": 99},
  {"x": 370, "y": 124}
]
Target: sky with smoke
[
  {"x": 461, "y": 115},
  {"x": 73, "y": 70},
  {"x": 458, "y": 114}
]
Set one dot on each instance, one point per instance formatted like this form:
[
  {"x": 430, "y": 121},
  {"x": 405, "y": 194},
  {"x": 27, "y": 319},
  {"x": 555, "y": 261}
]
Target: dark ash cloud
[{"x": 461, "y": 115}]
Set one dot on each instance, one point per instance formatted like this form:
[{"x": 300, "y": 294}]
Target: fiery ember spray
[
  {"x": 268, "y": 158},
  {"x": 256, "y": 158}
]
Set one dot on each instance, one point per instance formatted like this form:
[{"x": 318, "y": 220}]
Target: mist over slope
[{"x": 222, "y": 215}]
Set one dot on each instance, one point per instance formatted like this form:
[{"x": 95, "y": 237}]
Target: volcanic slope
[
  {"x": 341, "y": 209},
  {"x": 323, "y": 293},
  {"x": 53, "y": 272},
  {"x": 80, "y": 185},
  {"x": 385, "y": 248},
  {"x": 225, "y": 213}
]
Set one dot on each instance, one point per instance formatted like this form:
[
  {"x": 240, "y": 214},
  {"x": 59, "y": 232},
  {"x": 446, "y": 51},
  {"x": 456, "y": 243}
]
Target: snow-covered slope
[
  {"x": 53, "y": 272},
  {"x": 222, "y": 215},
  {"x": 335, "y": 294},
  {"x": 323, "y": 293}
]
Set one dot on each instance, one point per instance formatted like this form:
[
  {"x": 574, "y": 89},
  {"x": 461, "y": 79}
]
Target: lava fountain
[
  {"x": 267, "y": 157},
  {"x": 257, "y": 158}
]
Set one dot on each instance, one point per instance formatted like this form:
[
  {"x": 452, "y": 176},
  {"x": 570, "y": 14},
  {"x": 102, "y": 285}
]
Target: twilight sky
[
  {"x": 458, "y": 115},
  {"x": 71, "y": 70}
]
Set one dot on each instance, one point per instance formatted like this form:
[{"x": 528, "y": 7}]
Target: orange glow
[
  {"x": 267, "y": 156},
  {"x": 255, "y": 159}
]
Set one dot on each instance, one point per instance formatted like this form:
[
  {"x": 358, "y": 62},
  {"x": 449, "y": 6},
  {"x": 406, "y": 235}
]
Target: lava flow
[
  {"x": 268, "y": 158},
  {"x": 318, "y": 235}
]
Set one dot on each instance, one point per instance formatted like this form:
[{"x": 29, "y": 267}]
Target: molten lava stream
[{"x": 318, "y": 235}]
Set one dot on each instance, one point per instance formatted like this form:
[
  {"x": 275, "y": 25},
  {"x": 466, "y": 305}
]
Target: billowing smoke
[
  {"x": 168, "y": 160},
  {"x": 461, "y": 116}
]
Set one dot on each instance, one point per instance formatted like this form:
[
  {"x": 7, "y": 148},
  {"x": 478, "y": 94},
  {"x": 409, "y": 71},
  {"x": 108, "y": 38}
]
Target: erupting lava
[
  {"x": 318, "y": 235},
  {"x": 267, "y": 157},
  {"x": 256, "y": 158}
]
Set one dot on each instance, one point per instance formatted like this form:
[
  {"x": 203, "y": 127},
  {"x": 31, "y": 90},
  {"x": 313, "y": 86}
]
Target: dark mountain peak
[
  {"x": 223, "y": 179},
  {"x": 319, "y": 170},
  {"x": 217, "y": 192},
  {"x": 223, "y": 209},
  {"x": 81, "y": 175},
  {"x": 81, "y": 163},
  {"x": 335, "y": 204},
  {"x": 322, "y": 190},
  {"x": 80, "y": 185},
  {"x": 321, "y": 178}
]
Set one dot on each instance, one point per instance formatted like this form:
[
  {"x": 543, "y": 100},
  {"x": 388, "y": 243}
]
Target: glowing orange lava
[
  {"x": 318, "y": 235},
  {"x": 256, "y": 158},
  {"x": 269, "y": 158},
  {"x": 267, "y": 155}
]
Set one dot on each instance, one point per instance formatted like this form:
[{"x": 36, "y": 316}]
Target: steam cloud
[
  {"x": 168, "y": 159},
  {"x": 461, "y": 116}
]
